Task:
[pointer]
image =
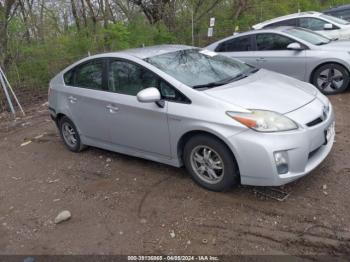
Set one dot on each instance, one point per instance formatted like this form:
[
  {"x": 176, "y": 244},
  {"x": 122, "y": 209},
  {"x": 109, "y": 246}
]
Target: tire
[
  {"x": 331, "y": 79},
  {"x": 196, "y": 152},
  {"x": 70, "y": 135}
]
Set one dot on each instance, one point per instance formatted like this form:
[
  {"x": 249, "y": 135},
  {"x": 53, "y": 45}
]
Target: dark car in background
[{"x": 342, "y": 11}]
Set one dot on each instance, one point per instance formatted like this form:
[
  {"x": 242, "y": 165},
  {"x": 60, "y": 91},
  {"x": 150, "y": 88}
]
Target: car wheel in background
[
  {"x": 331, "y": 79},
  {"x": 210, "y": 163},
  {"x": 70, "y": 135}
]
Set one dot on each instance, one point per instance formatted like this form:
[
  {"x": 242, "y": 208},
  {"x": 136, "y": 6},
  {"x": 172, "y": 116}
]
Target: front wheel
[
  {"x": 210, "y": 163},
  {"x": 331, "y": 79}
]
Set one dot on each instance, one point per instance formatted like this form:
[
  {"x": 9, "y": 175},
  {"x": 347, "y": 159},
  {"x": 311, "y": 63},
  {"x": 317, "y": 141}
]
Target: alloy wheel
[
  {"x": 207, "y": 164},
  {"x": 69, "y": 134},
  {"x": 330, "y": 80}
]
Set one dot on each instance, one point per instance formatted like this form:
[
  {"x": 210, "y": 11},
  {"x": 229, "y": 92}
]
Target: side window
[
  {"x": 289, "y": 22},
  {"x": 170, "y": 94},
  {"x": 89, "y": 75},
  {"x": 272, "y": 42},
  {"x": 343, "y": 14},
  {"x": 129, "y": 78},
  {"x": 313, "y": 24},
  {"x": 69, "y": 78},
  {"x": 239, "y": 44}
]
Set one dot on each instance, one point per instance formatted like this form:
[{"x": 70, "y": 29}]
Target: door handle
[
  {"x": 112, "y": 109},
  {"x": 72, "y": 99},
  {"x": 260, "y": 59}
]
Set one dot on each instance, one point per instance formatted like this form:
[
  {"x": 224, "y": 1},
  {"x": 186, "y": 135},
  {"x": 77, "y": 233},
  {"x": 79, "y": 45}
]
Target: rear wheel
[
  {"x": 331, "y": 79},
  {"x": 70, "y": 135},
  {"x": 210, "y": 163}
]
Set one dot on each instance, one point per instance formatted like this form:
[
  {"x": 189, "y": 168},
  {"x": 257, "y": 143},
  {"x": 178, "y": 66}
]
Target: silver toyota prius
[
  {"x": 296, "y": 52},
  {"x": 225, "y": 121}
]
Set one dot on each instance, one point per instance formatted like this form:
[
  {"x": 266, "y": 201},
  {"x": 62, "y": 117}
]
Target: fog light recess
[{"x": 281, "y": 160}]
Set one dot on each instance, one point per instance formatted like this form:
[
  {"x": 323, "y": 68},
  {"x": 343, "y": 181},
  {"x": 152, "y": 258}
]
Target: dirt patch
[{"x": 125, "y": 205}]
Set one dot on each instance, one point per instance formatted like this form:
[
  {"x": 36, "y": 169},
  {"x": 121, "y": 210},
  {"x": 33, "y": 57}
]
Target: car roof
[
  {"x": 282, "y": 18},
  {"x": 146, "y": 52},
  {"x": 265, "y": 30},
  {"x": 338, "y": 8},
  {"x": 139, "y": 53},
  {"x": 279, "y": 29}
]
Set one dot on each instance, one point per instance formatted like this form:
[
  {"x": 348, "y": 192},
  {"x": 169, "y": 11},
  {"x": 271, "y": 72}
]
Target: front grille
[{"x": 315, "y": 122}]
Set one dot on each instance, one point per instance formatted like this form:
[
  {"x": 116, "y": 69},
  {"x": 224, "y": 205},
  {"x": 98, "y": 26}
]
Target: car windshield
[
  {"x": 335, "y": 19},
  {"x": 200, "y": 68},
  {"x": 308, "y": 36}
]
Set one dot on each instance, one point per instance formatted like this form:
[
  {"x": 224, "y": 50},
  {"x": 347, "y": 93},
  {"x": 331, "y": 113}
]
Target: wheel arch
[
  {"x": 188, "y": 135},
  {"x": 325, "y": 63}
]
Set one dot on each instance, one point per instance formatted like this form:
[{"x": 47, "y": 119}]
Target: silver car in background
[
  {"x": 295, "y": 52},
  {"x": 226, "y": 121},
  {"x": 326, "y": 25}
]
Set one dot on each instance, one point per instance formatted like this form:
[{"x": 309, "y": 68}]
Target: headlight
[{"x": 264, "y": 121}]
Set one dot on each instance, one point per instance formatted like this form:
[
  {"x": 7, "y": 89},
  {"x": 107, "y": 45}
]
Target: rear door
[
  {"x": 87, "y": 99},
  {"x": 240, "y": 48},
  {"x": 272, "y": 53}
]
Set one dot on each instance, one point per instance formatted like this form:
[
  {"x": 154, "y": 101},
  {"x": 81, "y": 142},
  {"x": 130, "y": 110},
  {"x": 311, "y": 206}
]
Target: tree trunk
[
  {"x": 83, "y": 8},
  {"x": 92, "y": 14},
  {"x": 75, "y": 15},
  {"x": 5, "y": 13}
]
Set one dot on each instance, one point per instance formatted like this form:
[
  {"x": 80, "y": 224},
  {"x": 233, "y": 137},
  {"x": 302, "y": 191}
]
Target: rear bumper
[
  {"x": 53, "y": 115},
  {"x": 306, "y": 149}
]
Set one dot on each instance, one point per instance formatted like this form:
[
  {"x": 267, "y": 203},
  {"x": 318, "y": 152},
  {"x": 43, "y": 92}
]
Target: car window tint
[
  {"x": 89, "y": 75},
  {"x": 266, "y": 42},
  {"x": 312, "y": 23},
  {"x": 68, "y": 78},
  {"x": 171, "y": 94},
  {"x": 239, "y": 44},
  {"x": 128, "y": 78},
  {"x": 343, "y": 14},
  {"x": 289, "y": 22}
]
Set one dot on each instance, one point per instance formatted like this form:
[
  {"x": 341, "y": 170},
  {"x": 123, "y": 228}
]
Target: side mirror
[
  {"x": 295, "y": 46},
  {"x": 149, "y": 95},
  {"x": 328, "y": 27}
]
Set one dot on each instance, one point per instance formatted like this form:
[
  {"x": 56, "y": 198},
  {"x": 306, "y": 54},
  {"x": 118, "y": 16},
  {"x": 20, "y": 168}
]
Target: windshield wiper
[
  {"x": 228, "y": 80},
  {"x": 209, "y": 85}
]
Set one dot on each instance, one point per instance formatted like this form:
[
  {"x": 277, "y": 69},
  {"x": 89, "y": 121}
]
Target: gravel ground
[{"x": 125, "y": 205}]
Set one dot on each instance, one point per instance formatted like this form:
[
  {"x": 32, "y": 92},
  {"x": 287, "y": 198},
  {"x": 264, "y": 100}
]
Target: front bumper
[{"x": 305, "y": 147}]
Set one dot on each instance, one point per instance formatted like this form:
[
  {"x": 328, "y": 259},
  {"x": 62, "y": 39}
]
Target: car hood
[
  {"x": 266, "y": 90},
  {"x": 340, "y": 45}
]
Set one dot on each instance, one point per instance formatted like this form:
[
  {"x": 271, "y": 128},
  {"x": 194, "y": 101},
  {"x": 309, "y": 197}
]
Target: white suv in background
[{"x": 329, "y": 26}]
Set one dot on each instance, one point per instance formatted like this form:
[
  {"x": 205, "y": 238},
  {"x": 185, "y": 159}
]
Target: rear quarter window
[
  {"x": 289, "y": 22},
  {"x": 68, "y": 78},
  {"x": 240, "y": 44}
]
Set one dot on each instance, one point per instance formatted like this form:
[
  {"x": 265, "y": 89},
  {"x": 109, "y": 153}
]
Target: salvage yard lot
[{"x": 125, "y": 205}]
